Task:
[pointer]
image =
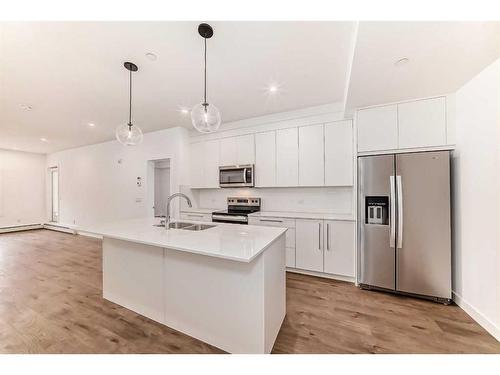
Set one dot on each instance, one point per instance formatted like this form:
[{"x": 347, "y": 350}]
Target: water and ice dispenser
[{"x": 377, "y": 210}]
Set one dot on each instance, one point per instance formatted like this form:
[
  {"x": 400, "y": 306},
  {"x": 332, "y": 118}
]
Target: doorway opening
[
  {"x": 161, "y": 173},
  {"x": 54, "y": 194}
]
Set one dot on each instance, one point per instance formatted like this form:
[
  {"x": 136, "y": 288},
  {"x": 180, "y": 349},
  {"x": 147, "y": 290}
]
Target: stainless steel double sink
[{"x": 186, "y": 226}]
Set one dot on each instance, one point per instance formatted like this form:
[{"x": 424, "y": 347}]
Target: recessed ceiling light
[
  {"x": 91, "y": 124},
  {"x": 184, "y": 111},
  {"x": 151, "y": 56},
  {"x": 43, "y": 139},
  {"x": 273, "y": 88},
  {"x": 402, "y": 61},
  {"x": 26, "y": 107}
]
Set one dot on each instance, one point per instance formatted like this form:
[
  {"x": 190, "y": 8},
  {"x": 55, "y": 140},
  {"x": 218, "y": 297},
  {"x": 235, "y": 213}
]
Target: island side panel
[
  {"x": 274, "y": 291},
  {"x": 133, "y": 277},
  {"x": 215, "y": 300}
]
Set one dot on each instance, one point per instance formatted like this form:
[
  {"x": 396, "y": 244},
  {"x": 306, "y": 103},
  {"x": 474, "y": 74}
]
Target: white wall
[
  {"x": 22, "y": 188},
  {"x": 98, "y": 183},
  {"x": 476, "y": 199}
]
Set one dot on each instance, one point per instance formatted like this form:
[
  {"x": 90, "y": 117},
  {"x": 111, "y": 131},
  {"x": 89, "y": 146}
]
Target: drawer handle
[
  {"x": 271, "y": 220},
  {"x": 192, "y": 215}
]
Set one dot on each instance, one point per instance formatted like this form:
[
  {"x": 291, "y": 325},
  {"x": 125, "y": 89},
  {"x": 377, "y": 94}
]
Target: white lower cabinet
[
  {"x": 338, "y": 249},
  {"x": 325, "y": 246},
  {"x": 290, "y": 234},
  {"x": 308, "y": 245}
]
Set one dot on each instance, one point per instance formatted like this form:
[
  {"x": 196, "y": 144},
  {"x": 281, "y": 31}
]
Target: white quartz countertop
[
  {"x": 303, "y": 215},
  {"x": 235, "y": 242}
]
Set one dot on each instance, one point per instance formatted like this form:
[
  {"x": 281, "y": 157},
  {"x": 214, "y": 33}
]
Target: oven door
[
  {"x": 236, "y": 176},
  {"x": 231, "y": 219}
]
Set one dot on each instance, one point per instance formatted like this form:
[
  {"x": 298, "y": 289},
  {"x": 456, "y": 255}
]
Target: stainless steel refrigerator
[{"x": 404, "y": 234}]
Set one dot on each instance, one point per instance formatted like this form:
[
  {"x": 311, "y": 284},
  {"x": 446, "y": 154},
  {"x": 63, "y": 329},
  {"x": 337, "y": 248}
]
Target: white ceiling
[
  {"x": 442, "y": 57},
  {"x": 72, "y": 73}
]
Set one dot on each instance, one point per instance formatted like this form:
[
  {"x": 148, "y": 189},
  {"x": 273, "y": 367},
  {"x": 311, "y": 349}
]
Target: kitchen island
[{"x": 224, "y": 285}]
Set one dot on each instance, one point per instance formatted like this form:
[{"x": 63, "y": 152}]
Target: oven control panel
[{"x": 241, "y": 201}]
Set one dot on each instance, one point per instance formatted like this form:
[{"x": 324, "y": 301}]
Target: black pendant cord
[
  {"x": 205, "y": 79},
  {"x": 130, "y": 102}
]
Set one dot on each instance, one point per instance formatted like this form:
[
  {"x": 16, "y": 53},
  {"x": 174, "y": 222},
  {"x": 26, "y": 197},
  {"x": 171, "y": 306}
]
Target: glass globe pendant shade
[
  {"x": 128, "y": 135},
  {"x": 205, "y": 117}
]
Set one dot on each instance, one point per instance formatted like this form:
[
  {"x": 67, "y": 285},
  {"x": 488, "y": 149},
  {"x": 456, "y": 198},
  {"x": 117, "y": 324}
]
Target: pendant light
[
  {"x": 129, "y": 134},
  {"x": 204, "y": 116}
]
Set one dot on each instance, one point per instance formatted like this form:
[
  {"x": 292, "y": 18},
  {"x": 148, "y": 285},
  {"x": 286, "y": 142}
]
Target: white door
[
  {"x": 228, "y": 151},
  {"x": 245, "y": 148},
  {"x": 311, "y": 156},
  {"x": 377, "y": 128},
  {"x": 339, "y": 247},
  {"x": 309, "y": 245},
  {"x": 265, "y": 159},
  {"x": 422, "y": 123},
  {"x": 287, "y": 157},
  {"x": 339, "y": 154},
  {"x": 197, "y": 164},
  {"x": 211, "y": 162}
]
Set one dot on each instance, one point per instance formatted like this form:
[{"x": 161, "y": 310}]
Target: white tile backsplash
[{"x": 320, "y": 199}]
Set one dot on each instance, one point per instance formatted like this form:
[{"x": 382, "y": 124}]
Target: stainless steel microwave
[{"x": 236, "y": 176}]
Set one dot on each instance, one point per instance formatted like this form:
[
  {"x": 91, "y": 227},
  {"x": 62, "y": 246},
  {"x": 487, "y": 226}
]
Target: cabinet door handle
[
  {"x": 271, "y": 220},
  {"x": 327, "y": 236},
  {"x": 319, "y": 236},
  {"x": 192, "y": 215}
]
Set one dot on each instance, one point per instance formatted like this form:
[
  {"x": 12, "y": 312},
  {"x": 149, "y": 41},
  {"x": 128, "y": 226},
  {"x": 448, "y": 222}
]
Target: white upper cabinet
[
  {"x": 339, "y": 247},
  {"x": 196, "y": 155},
  {"x": 228, "y": 151},
  {"x": 265, "y": 159},
  {"x": 211, "y": 164},
  {"x": 287, "y": 157},
  {"x": 416, "y": 124},
  {"x": 377, "y": 128},
  {"x": 245, "y": 149},
  {"x": 422, "y": 123},
  {"x": 205, "y": 164},
  {"x": 311, "y": 156},
  {"x": 237, "y": 150},
  {"x": 339, "y": 153}
]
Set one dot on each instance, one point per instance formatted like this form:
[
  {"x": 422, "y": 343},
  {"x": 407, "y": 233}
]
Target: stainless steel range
[{"x": 237, "y": 210}]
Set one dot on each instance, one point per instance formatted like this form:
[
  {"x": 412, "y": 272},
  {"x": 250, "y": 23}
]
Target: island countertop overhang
[{"x": 242, "y": 243}]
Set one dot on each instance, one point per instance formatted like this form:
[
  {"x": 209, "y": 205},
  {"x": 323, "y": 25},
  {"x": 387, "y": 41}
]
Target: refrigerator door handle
[
  {"x": 399, "y": 184},
  {"x": 392, "y": 213}
]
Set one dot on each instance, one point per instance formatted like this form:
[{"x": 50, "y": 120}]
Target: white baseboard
[
  {"x": 20, "y": 227},
  {"x": 321, "y": 274},
  {"x": 477, "y": 316},
  {"x": 59, "y": 228},
  {"x": 88, "y": 234}
]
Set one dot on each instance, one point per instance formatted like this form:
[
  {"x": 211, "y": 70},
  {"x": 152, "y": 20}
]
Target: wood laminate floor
[{"x": 50, "y": 302}]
